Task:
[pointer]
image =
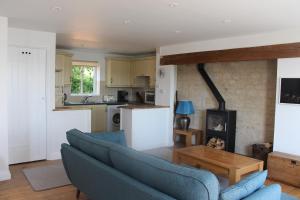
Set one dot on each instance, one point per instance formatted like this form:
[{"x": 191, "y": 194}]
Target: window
[{"x": 84, "y": 78}]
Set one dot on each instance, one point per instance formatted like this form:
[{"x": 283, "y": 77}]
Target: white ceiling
[{"x": 99, "y": 24}]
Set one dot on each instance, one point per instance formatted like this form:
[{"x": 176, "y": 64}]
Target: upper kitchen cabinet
[
  {"x": 151, "y": 70},
  {"x": 144, "y": 67},
  {"x": 118, "y": 72},
  {"x": 63, "y": 64}
]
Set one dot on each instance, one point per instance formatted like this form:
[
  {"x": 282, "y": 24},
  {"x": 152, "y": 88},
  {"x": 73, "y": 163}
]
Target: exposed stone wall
[{"x": 248, "y": 87}]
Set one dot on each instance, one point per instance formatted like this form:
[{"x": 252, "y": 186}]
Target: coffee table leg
[
  {"x": 188, "y": 140},
  {"x": 234, "y": 176},
  {"x": 261, "y": 166},
  {"x": 175, "y": 157}
]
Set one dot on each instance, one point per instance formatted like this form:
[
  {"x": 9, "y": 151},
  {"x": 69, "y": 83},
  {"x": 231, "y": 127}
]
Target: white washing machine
[{"x": 113, "y": 117}]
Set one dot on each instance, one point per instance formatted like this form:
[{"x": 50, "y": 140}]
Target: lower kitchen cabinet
[{"x": 99, "y": 113}]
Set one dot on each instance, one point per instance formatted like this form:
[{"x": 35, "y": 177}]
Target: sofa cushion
[
  {"x": 176, "y": 181},
  {"x": 98, "y": 149},
  {"x": 245, "y": 187},
  {"x": 285, "y": 196},
  {"x": 117, "y": 137},
  {"x": 270, "y": 192}
]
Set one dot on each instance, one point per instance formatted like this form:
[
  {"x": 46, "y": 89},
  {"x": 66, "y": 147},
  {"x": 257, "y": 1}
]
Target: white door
[{"x": 27, "y": 106}]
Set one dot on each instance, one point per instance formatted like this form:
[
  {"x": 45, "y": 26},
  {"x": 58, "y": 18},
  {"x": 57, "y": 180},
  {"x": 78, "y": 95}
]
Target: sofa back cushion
[
  {"x": 269, "y": 192},
  {"x": 94, "y": 147},
  {"x": 176, "y": 181},
  {"x": 117, "y": 137},
  {"x": 245, "y": 187}
]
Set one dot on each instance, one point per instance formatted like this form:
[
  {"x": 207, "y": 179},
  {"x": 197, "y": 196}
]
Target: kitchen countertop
[
  {"x": 142, "y": 106},
  {"x": 87, "y": 106},
  {"x": 68, "y": 108},
  {"x": 93, "y": 103}
]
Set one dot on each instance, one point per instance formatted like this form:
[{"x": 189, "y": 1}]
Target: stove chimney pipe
[{"x": 211, "y": 85}]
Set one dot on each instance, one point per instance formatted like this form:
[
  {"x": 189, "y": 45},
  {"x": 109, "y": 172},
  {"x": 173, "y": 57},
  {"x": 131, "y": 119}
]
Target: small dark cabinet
[{"x": 221, "y": 126}]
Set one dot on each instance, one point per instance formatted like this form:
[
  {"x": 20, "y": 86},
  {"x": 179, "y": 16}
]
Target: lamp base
[{"x": 183, "y": 122}]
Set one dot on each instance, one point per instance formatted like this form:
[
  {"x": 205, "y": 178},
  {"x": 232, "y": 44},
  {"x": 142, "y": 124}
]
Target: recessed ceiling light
[
  {"x": 56, "y": 9},
  {"x": 227, "y": 21},
  {"x": 173, "y": 4},
  {"x": 127, "y": 21},
  {"x": 177, "y": 31}
]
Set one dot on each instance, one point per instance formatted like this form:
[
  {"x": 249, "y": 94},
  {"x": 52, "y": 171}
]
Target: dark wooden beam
[{"x": 230, "y": 55}]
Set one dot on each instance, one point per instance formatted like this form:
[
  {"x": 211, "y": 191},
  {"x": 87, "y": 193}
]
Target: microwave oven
[{"x": 150, "y": 97}]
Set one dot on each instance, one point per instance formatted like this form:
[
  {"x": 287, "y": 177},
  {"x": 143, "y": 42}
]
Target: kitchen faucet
[{"x": 85, "y": 99}]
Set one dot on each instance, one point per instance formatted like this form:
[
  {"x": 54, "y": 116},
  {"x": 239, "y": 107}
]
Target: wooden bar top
[
  {"x": 142, "y": 106},
  {"x": 70, "y": 108}
]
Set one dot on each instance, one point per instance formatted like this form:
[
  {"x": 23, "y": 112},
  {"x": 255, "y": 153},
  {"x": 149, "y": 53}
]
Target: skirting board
[
  {"x": 5, "y": 175},
  {"x": 54, "y": 156}
]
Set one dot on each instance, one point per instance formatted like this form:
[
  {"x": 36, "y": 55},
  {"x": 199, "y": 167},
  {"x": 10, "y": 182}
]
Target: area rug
[{"x": 47, "y": 177}]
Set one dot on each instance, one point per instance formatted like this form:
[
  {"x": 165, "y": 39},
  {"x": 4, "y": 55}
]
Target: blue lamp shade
[{"x": 185, "y": 108}]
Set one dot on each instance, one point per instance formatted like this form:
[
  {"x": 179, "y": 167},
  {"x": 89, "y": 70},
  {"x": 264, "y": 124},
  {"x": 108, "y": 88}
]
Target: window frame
[{"x": 83, "y": 64}]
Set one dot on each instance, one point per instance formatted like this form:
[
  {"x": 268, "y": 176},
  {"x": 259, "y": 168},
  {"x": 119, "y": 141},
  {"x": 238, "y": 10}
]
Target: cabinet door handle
[{"x": 111, "y": 80}]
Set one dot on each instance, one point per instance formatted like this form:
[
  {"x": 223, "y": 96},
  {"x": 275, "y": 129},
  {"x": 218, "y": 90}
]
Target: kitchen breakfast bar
[{"x": 146, "y": 126}]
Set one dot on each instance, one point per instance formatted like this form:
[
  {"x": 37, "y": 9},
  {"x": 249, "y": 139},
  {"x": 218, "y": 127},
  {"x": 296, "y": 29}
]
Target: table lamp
[{"x": 184, "y": 109}]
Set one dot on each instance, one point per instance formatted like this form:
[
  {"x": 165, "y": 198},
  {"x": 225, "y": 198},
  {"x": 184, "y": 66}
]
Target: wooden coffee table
[{"x": 220, "y": 162}]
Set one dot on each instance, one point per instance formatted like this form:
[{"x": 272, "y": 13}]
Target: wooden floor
[{"x": 18, "y": 187}]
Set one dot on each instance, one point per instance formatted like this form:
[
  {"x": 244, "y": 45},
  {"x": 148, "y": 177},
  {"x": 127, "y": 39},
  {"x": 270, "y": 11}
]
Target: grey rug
[{"x": 47, "y": 177}]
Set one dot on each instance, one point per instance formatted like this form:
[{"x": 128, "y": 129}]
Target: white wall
[
  {"x": 165, "y": 90},
  {"x": 287, "y": 134},
  {"x": 4, "y": 171},
  {"x": 58, "y": 122},
  {"x": 61, "y": 121},
  {"x": 276, "y": 37}
]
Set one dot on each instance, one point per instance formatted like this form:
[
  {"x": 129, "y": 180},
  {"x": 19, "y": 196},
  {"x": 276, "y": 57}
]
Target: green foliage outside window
[{"x": 82, "y": 80}]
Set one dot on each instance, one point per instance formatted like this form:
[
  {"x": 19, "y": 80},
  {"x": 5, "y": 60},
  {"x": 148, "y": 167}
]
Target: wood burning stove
[
  {"x": 220, "y": 127},
  {"x": 220, "y": 123}
]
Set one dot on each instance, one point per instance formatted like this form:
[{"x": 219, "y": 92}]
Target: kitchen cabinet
[
  {"x": 143, "y": 67},
  {"x": 118, "y": 72},
  {"x": 151, "y": 71},
  {"x": 59, "y": 62},
  {"x": 99, "y": 119},
  {"x": 122, "y": 72},
  {"x": 67, "y": 69},
  {"x": 63, "y": 65},
  {"x": 63, "y": 72},
  {"x": 139, "y": 67}
]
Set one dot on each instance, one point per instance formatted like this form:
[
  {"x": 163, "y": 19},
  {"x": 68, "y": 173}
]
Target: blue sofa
[{"x": 101, "y": 166}]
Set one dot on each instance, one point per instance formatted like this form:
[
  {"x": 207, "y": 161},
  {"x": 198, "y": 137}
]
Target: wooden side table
[{"x": 188, "y": 136}]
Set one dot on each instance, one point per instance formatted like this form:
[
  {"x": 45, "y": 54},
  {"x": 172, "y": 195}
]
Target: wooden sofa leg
[{"x": 77, "y": 193}]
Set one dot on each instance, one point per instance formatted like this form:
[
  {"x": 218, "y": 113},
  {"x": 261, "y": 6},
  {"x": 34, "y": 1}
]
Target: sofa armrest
[
  {"x": 269, "y": 192},
  {"x": 114, "y": 137}
]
